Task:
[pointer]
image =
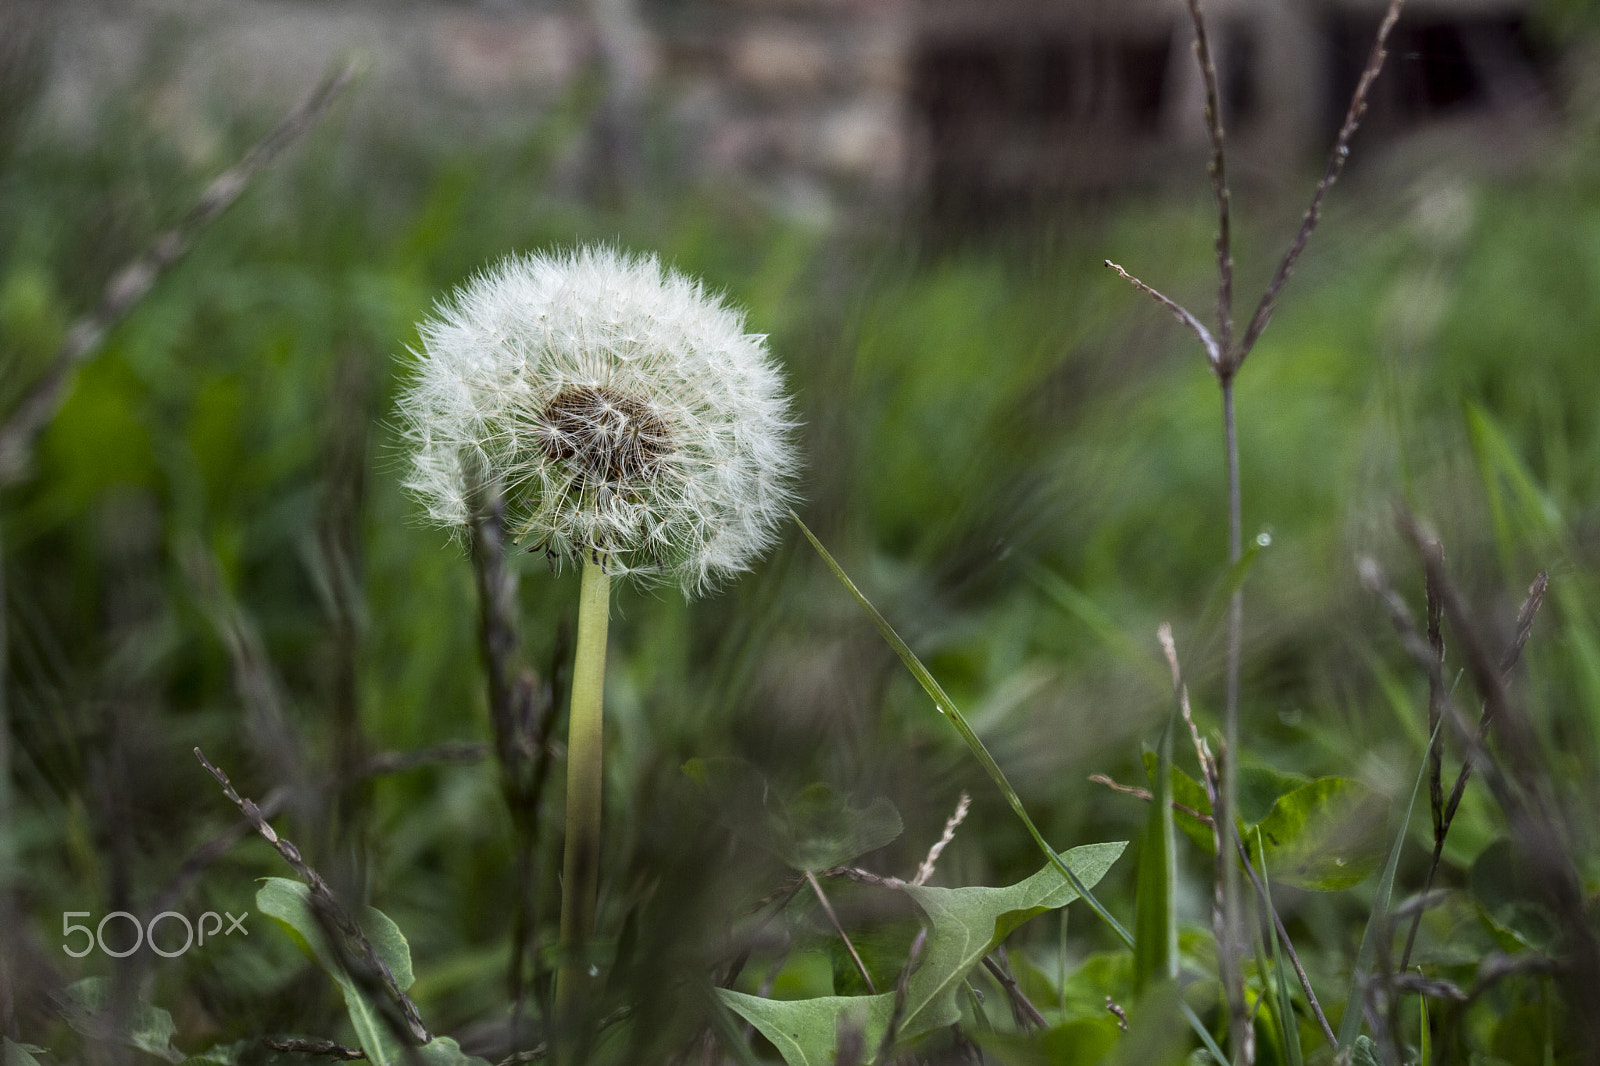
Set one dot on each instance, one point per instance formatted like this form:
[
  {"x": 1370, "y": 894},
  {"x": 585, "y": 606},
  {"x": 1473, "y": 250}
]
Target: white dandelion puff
[{"x": 619, "y": 409}]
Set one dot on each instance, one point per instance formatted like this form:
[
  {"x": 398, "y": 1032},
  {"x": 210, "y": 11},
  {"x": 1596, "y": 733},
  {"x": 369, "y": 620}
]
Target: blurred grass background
[{"x": 1015, "y": 455}]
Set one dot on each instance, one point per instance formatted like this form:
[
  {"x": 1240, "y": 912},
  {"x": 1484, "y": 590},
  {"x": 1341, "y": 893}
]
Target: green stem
[{"x": 581, "y": 868}]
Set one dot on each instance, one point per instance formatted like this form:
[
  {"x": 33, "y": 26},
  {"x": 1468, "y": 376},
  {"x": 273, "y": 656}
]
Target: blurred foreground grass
[{"x": 1017, "y": 458}]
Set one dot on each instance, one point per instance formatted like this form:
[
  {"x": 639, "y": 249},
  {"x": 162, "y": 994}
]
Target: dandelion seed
[{"x": 616, "y": 406}]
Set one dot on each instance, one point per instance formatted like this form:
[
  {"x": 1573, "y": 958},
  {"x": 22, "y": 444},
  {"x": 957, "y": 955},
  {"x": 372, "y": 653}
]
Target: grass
[{"x": 1015, "y": 458}]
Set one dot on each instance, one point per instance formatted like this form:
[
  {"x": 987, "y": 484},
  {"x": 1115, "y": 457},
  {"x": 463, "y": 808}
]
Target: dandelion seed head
[{"x": 616, "y": 407}]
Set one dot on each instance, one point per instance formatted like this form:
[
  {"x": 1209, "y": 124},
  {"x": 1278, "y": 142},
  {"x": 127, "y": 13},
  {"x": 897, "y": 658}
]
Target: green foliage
[
  {"x": 1016, "y": 455},
  {"x": 88, "y": 1005},
  {"x": 288, "y": 903},
  {"x": 964, "y": 925}
]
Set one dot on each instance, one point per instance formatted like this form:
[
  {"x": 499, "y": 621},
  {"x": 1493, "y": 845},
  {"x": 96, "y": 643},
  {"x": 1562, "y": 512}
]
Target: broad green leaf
[
  {"x": 287, "y": 903},
  {"x": 1350, "y": 1024},
  {"x": 1326, "y": 836},
  {"x": 146, "y": 1028},
  {"x": 823, "y": 830},
  {"x": 964, "y": 925},
  {"x": 1260, "y": 787},
  {"x": 806, "y": 1031},
  {"x": 1155, "y": 953}
]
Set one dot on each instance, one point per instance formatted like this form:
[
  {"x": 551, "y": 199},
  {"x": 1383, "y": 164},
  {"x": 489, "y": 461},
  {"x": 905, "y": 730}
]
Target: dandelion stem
[{"x": 581, "y": 866}]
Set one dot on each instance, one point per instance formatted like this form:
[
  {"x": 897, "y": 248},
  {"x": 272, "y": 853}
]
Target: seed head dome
[{"x": 619, "y": 409}]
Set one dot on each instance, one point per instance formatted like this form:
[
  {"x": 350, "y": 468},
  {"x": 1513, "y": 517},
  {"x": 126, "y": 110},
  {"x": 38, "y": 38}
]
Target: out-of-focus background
[{"x": 1017, "y": 456}]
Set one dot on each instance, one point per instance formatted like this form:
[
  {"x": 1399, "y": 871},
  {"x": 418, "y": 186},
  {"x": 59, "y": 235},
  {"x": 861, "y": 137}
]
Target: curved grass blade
[
  {"x": 947, "y": 707},
  {"x": 1350, "y": 1024},
  {"x": 1155, "y": 953}
]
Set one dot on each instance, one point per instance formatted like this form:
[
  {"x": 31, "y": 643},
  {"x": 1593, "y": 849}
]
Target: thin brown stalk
[
  {"x": 1229, "y": 916},
  {"x": 816, "y": 886},
  {"x": 1514, "y": 776},
  {"x": 901, "y": 986},
  {"x": 925, "y": 871},
  {"x": 1445, "y": 811},
  {"x": 1181, "y": 313},
  {"x": 135, "y": 280},
  {"x": 1219, "y": 178},
  {"x": 389, "y": 762},
  {"x": 521, "y": 745},
  {"x": 8, "y": 863},
  {"x": 324, "y": 1048},
  {"x": 1335, "y": 167},
  {"x": 1027, "y": 1015},
  {"x": 327, "y": 903},
  {"x": 1288, "y": 949},
  {"x": 1145, "y": 794}
]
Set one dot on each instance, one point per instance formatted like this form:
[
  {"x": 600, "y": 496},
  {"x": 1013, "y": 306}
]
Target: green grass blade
[
  {"x": 1424, "y": 1037},
  {"x": 1155, "y": 953},
  {"x": 947, "y": 707},
  {"x": 1206, "y": 1039},
  {"x": 1350, "y": 1024}
]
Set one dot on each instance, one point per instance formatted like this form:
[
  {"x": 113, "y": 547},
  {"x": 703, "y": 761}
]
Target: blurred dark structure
[{"x": 967, "y": 107}]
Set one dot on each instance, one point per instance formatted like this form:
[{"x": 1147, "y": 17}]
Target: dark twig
[
  {"x": 389, "y": 762},
  {"x": 130, "y": 284},
  {"x": 1219, "y": 178},
  {"x": 816, "y": 886},
  {"x": 901, "y": 985},
  {"x": 1144, "y": 794},
  {"x": 328, "y": 904},
  {"x": 1445, "y": 810},
  {"x": 1207, "y": 341},
  {"x": 8, "y": 846},
  {"x": 325, "y": 1048},
  {"x": 1336, "y": 162},
  {"x": 202, "y": 858},
  {"x": 1027, "y": 1015},
  {"x": 521, "y": 747},
  {"x": 451, "y": 752}
]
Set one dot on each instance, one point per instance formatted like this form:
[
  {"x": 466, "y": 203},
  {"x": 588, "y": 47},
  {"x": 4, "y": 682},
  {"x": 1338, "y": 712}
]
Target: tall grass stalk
[{"x": 1226, "y": 356}]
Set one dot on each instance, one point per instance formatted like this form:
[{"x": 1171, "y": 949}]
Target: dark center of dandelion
[{"x": 609, "y": 436}]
